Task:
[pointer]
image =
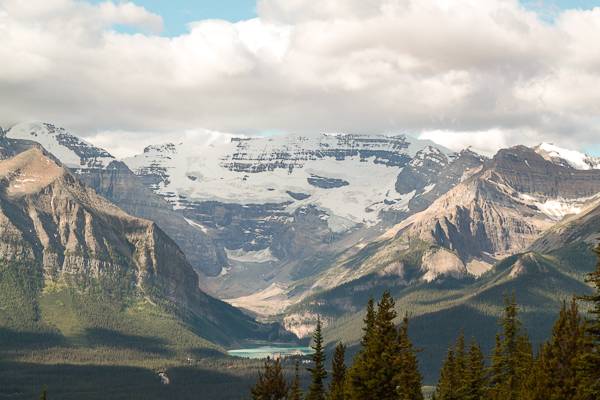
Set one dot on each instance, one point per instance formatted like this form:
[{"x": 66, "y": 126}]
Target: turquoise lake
[{"x": 262, "y": 351}]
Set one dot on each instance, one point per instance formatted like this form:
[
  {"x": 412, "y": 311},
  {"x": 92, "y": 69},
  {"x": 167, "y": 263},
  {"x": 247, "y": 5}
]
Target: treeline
[
  {"x": 566, "y": 366},
  {"x": 386, "y": 367}
]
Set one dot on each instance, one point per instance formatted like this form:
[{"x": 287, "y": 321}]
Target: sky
[{"x": 482, "y": 73}]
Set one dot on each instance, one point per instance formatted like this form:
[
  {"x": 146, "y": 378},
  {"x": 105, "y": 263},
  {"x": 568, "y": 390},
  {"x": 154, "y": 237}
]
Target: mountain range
[{"x": 292, "y": 228}]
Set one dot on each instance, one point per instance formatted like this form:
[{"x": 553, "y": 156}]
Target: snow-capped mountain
[
  {"x": 113, "y": 180},
  {"x": 567, "y": 158},
  {"x": 350, "y": 178},
  {"x": 74, "y": 153}
]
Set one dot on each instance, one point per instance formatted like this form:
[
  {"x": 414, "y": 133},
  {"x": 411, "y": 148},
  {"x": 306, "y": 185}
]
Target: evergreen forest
[
  {"x": 386, "y": 366},
  {"x": 103, "y": 343}
]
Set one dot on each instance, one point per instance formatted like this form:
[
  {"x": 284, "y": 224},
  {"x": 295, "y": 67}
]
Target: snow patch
[
  {"x": 255, "y": 256},
  {"x": 197, "y": 225},
  {"x": 428, "y": 188},
  {"x": 339, "y": 224},
  {"x": 575, "y": 159},
  {"x": 264, "y": 170},
  {"x": 69, "y": 149}
]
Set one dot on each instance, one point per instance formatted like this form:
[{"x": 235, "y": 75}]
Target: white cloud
[{"x": 461, "y": 70}]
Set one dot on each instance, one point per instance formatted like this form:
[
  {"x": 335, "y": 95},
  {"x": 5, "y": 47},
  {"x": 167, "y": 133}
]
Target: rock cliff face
[
  {"x": 502, "y": 208},
  {"x": 289, "y": 195},
  {"x": 49, "y": 215},
  {"x": 431, "y": 174},
  {"x": 114, "y": 181}
]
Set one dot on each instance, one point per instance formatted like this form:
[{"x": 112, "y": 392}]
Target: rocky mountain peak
[
  {"x": 503, "y": 206},
  {"x": 567, "y": 158},
  {"x": 51, "y": 216},
  {"x": 162, "y": 148},
  {"x": 113, "y": 180},
  {"x": 69, "y": 149},
  {"x": 527, "y": 172}
]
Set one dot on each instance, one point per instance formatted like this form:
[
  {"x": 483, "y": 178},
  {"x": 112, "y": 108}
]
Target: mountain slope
[
  {"x": 439, "y": 308},
  {"x": 105, "y": 260},
  {"x": 113, "y": 180},
  {"x": 502, "y": 208},
  {"x": 543, "y": 214},
  {"x": 277, "y": 201}
]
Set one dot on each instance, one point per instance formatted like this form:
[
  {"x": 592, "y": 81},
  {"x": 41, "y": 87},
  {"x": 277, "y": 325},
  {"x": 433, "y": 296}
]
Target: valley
[{"x": 202, "y": 243}]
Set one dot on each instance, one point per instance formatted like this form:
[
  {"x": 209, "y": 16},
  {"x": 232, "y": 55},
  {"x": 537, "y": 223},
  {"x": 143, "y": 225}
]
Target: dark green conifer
[
  {"x": 316, "y": 391},
  {"x": 43, "y": 396},
  {"x": 512, "y": 357},
  {"x": 408, "y": 379},
  {"x": 447, "y": 386},
  {"x": 475, "y": 379},
  {"x": 338, "y": 373},
  {"x": 295, "y": 390},
  {"x": 590, "y": 363},
  {"x": 362, "y": 374},
  {"x": 271, "y": 384},
  {"x": 556, "y": 374},
  {"x": 386, "y": 368},
  {"x": 385, "y": 349},
  {"x": 369, "y": 321},
  {"x": 463, "y": 372}
]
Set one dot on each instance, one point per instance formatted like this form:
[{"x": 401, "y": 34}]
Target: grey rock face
[
  {"x": 120, "y": 186},
  {"x": 244, "y": 160},
  {"x": 49, "y": 215},
  {"x": 502, "y": 208},
  {"x": 326, "y": 183},
  {"x": 114, "y": 181},
  {"x": 431, "y": 174}
]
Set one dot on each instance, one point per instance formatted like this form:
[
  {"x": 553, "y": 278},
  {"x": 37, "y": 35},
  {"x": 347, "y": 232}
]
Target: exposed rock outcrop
[
  {"x": 49, "y": 215},
  {"x": 502, "y": 208},
  {"x": 114, "y": 181}
]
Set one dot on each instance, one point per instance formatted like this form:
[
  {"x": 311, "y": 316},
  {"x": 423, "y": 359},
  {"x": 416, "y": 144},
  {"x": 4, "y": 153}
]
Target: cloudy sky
[{"x": 480, "y": 73}]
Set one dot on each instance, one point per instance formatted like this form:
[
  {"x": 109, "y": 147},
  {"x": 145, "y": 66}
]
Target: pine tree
[
  {"x": 409, "y": 380},
  {"x": 295, "y": 391},
  {"x": 43, "y": 396},
  {"x": 386, "y": 368},
  {"x": 338, "y": 373},
  {"x": 475, "y": 380},
  {"x": 363, "y": 371},
  {"x": 316, "y": 391},
  {"x": 555, "y": 374},
  {"x": 462, "y": 375},
  {"x": 271, "y": 384},
  {"x": 447, "y": 386},
  {"x": 375, "y": 366},
  {"x": 369, "y": 321},
  {"x": 385, "y": 348},
  {"x": 590, "y": 363},
  {"x": 512, "y": 357}
]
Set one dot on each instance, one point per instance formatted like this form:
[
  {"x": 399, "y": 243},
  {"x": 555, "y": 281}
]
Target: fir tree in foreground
[
  {"x": 316, "y": 391},
  {"x": 364, "y": 367},
  {"x": 409, "y": 380},
  {"x": 556, "y": 373},
  {"x": 338, "y": 373},
  {"x": 590, "y": 362},
  {"x": 295, "y": 391},
  {"x": 386, "y": 367},
  {"x": 512, "y": 358},
  {"x": 271, "y": 384},
  {"x": 463, "y": 372}
]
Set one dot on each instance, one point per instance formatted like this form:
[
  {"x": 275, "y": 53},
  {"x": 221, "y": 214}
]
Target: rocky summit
[
  {"x": 51, "y": 218},
  {"x": 113, "y": 180},
  {"x": 306, "y": 227}
]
